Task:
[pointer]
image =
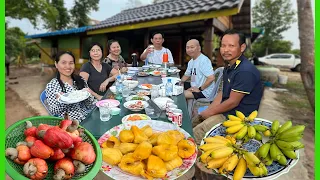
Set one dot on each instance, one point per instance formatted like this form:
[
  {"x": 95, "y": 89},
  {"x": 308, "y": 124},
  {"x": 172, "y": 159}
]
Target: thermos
[{"x": 134, "y": 60}]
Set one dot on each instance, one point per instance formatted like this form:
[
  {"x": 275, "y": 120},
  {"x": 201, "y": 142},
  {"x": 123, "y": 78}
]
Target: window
[
  {"x": 275, "y": 56},
  {"x": 297, "y": 56},
  {"x": 285, "y": 56}
]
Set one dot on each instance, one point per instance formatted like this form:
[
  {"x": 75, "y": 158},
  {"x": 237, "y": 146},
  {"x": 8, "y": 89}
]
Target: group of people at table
[{"x": 242, "y": 88}]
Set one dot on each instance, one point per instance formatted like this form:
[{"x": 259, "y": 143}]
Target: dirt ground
[{"x": 22, "y": 101}]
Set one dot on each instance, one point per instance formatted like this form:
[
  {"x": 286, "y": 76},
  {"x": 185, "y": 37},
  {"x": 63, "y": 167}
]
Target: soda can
[
  {"x": 170, "y": 113},
  {"x": 177, "y": 117},
  {"x": 170, "y": 105}
]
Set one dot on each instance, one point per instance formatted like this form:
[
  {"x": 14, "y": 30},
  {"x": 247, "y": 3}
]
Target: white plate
[
  {"x": 155, "y": 66},
  {"x": 146, "y": 98},
  {"x": 162, "y": 101},
  {"x": 143, "y": 92},
  {"x": 125, "y": 119},
  {"x": 144, "y": 87},
  {"x": 152, "y": 73},
  {"x": 73, "y": 97},
  {"x": 114, "y": 172},
  {"x": 128, "y": 103}
]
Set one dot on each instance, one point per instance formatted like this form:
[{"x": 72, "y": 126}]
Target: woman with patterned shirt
[
  {"x": 114, "y": 59},
  {"x": 66, "y": 81}
]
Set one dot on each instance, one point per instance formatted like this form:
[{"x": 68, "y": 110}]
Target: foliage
[
  {"x": 32, "y": 51},
  {"x": 295, "y": 51},
  {"x": 275, "y": 16},
  {"x": 278, "y": 46},
  {"x": 15, "y": 41},
  {"x": 80, "y": 10},
  {"x": 57, "y": 16}
]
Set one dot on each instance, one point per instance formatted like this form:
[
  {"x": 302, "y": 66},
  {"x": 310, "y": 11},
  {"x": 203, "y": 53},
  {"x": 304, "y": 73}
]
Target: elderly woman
[
  {"x": 66, "y": 81},
  {"x": 114, "y": 58},
  {"x": 97, "y": 73}
]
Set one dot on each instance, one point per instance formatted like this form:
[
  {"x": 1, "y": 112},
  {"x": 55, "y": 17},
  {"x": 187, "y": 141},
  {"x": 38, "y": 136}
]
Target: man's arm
[
  {"x": 207, "y": 83},
  {"x": 227, "y": 105},
  {"x": 184, "y": 78},
  {"x": 144, "y": 55}
]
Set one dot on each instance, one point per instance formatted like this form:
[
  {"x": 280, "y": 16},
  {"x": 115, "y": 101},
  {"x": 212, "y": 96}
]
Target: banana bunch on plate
[
  {"x": 283, "y": 143},
  {"x": 224, "y": 155}
]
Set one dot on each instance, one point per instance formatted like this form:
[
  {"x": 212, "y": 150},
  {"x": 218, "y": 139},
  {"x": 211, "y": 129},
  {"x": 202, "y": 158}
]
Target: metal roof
[
  {"x": 60, "y": 32},
  {"x": 166, "y": 9}
]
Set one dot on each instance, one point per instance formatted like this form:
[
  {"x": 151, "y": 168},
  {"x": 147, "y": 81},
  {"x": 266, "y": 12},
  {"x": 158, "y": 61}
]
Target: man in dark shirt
[{"x": 242, "y": 88}]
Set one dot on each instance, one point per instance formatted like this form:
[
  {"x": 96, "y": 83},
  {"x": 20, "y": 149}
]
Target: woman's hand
[
  {"x": 104, "y": 85},
  {"x": 58, "y": 95},
  {"x": 124, "y": 69}
]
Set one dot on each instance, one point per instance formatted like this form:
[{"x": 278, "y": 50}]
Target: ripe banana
[
  {"x": 252, "y": 160},
  {"x": 291, "y": 139},
  {"x": 290, "y": 154},
  {"x": 216, "y": 163},
  {"x": 251, "y": 132},
  {"x": 232, "y": 139},
  {"x": 240, "y": 115},
  {"x": 241, "y": 133},
  {"x": 222, "y": 152},
  {"x": 260, "y": 127},
  {"x": 204, "y": 158},
  {"x": 274, "y": 127},
  {"x": 267, "y": 133},
  {"x": 289, "y": 146},
  {"x": 282, "y": 160},
  {"x": 258, "y": 136},
  {"x": 253, "y": 115},
  {"x": 293, "y": 131},
  {"x": 217, "y": 139},
  {"x": 231, "y": 163},
  {"x": 209, "y": 146},
  {"x": 231, "y": 123},
  {"x": 263, "y": 170},
  {"x": 255, "y": 170},
  {"x": 275, "y": 152},
  {"x": 284, "y": 127},
  {"x": 234, "y": 118},
  {"x": 234, "y": 129},
  {"x": 263, "y": 150},
  {"x": 240, "y": 169}
]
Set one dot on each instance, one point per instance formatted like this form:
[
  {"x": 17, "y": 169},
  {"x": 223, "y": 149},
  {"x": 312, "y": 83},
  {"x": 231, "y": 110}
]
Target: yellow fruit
[
  {"x": 241, "y": 133},
  {"x": 221, "y": 152},
  {"x": 234, "y": 129},
  {"x": 251, "y": 132},
  {"x": 217, "y": 139},
  {"x": 111, "y": 142},
  {"x": 240, "y": 115},
  {"x": 139, "y": 136},
  {"x": 166, "y": 152},
  {"x": 204, "y": 158},
  {"x": 231, "y": 138},
  {"x": 147, "y": 130},
  {"x": 156, "y": 167},
  {"x": 143, "y": 151},
  {"x": 252, "y": 160},
  {"x": 234, "y": 118},
  {"x": 231, "y": 123},
  {"x": 126, "y": 136},
  {"x": 255, "y": 170},
  {"x": 131, "y": 165},
  {"x": 240, "y": 169},
  {"x": 111, "y": 155},
  {"x": 267, "y": 133},
  {"x": 216, "y": 163},
  {"x": 153, "y": 138},
  {"x": 253, "y": 115},
  {"x": 231, "y": 163},
  {"x": 174, "y": 163},
  {"x": 186, "y": 148},
  {"x": 206, "y": 147},
  {"x": 127, "y": 147},
  {"x": 170, "y": 137}
]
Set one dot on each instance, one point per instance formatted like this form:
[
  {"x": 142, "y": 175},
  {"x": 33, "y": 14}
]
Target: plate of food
[
  {"x": 73, "y": 97},
  {"x": 114, "y": 167},
  {"x": 155, "y": 73},
  {"x": 135, "y": 117},
  {"x": 136, "y": 97},
  {"x": 143, "y": 93},
  {"x": 142, "y": 74},
  {"x": 161, "y": 102},
  {"x": 155, "y": 66},
  {"x": 274, "y": 170},
  {"x": 135, "y": 105},
  {"x": 110, "y": 102},
  {"x": 145, "y": 86}
]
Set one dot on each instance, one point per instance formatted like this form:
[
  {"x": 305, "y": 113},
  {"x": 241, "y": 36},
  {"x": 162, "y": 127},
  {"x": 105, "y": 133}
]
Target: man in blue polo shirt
[{"x": 242, "y": 88}]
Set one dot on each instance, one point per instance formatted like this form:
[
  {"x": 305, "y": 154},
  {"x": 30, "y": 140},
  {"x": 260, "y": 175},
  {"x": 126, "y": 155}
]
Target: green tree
[
  {"x": 14, "y": 42},
  {"x": 295, "y": 51},
  {"x": 80, "y": 11},
  {"x": 275, "y": 16},
  {"x": 56, "y": 17},
  {"x": 278, "y": 46},
  {"x": 32, "y": 51}
]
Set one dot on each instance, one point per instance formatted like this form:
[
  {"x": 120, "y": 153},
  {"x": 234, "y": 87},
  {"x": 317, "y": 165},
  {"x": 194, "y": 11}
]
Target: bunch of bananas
[
  {"x": 223, "y": 154},
  {"x": 241, "y": 128},
  {"x": 283, "y": 143}
]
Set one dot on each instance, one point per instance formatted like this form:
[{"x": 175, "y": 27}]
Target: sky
[{"x": 108, "y": 8}]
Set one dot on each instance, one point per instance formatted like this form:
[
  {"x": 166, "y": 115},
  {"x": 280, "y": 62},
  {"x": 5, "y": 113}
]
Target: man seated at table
[
  {"x": 242, "y": 87},
  {"x": 201, "y": 72},
  {"x": 155, "y": 53}
]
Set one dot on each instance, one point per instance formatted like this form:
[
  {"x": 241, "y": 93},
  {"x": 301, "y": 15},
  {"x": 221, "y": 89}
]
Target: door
[{"x": 174, "y": 45}]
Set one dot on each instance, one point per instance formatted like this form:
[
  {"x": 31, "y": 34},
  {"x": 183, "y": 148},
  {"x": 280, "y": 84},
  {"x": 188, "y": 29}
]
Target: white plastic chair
[{"x": 192, "y": 102}]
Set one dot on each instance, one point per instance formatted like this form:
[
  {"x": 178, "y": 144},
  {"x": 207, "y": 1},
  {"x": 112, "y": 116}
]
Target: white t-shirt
[
  {"x": 156, "y": 56},
  {"x": 199, "y": 69}
]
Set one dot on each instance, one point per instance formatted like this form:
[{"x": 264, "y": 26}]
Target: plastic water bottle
[
  {"x": 169, "y": 88},
  {"x": 119, "y": 87},
  {"x": 146, "y": 61}
]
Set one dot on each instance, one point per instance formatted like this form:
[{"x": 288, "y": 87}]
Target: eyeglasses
[{"x": 95, "y": 50}]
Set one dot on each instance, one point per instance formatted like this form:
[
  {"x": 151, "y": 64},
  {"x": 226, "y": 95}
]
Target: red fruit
[
  {"x": 65, "y": 123},
  {"x": 23, "y": 153},
  {"x": 30, "y": 140},
  {"x": 83, "y": 152},
  {"x": 30, "y": 131},
  {"x": 66, "y": 166},
  {"x": 36, "y": 168},
  {"x": 56, "y": 137},
  {"x": 58, "y": 154},
  {"x": 75, "y": 137},
  {"x": 40, "y": 150},
  {"x": 19, "y": 162},
  {"x": 42, "y": 128}
]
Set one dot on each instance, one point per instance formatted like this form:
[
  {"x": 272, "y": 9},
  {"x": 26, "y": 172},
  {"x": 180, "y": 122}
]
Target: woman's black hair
[
  {"x": 95, "y": 44},
  {"x": 79, "y": 82},
  {"x": 110, "y": 42}
]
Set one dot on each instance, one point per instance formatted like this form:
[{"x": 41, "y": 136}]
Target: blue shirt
[{"x": 243, "y": 77}]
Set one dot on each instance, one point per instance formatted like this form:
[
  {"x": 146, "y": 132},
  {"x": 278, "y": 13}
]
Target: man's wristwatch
[{"x": 200, "y": 88}]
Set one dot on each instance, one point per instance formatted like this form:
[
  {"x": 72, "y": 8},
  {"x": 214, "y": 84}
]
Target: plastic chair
[
  {"x": 192, "y": 102},
  {"x": 43, "y": 99}
]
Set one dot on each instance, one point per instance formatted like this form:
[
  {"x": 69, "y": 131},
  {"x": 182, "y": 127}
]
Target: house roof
[
  {"x": 60, "y": 32},
  {"x": 166, "y": 9}
]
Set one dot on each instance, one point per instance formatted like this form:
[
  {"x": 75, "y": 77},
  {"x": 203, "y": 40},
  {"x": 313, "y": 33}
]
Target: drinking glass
[
  {"x": 149, "y": 111},
  {"x": 154, "y": 92},
  {"x": 105, "y": 112},
  {"x": 125, "y": 91}
]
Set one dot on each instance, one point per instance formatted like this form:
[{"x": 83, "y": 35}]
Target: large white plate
[
  {"x": 274, "y": 170},
  {"x": 157, "y": 126},
  {"x": 73, "y": 97},
  {"x": 128, "y": 103},
  {"x": 143, "y": 87},
  {"x": 130, "y": 98},
  {"x": 125, "y": 119},
  {"x": 161, "y": 102}
]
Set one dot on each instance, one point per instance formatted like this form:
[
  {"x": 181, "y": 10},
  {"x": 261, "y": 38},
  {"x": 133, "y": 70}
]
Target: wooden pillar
[
  {"x": 208, "y": 38},
  {"x": 146, "y": 38}
]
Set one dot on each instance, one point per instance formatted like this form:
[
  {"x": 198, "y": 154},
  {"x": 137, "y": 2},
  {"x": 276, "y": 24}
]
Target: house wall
[
  {"x": 46, "y": 46},
  {"x": 72, "y": 44}
]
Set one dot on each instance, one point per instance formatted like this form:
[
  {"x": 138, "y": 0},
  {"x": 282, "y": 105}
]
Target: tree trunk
[{"x": 306, "y": 36}]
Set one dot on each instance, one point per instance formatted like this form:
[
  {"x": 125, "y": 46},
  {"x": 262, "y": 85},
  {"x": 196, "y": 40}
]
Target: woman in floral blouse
[
  {"x": 114, "y": 59},
  {"x": 66, "y": 81}
]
